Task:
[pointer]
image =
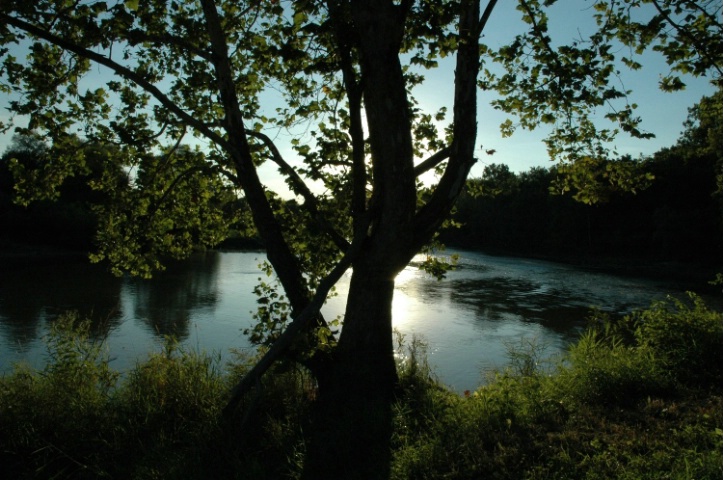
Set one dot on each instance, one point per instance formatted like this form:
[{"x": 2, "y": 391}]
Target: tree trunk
[{"x": 351, "y": 427}]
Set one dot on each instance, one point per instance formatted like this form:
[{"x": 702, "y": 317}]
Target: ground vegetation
[{"x": 634, "y": 397}]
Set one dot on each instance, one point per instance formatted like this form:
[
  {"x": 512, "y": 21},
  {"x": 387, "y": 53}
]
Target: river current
[{"x": 469, "y": 321}]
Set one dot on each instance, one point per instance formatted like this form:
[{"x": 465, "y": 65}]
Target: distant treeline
[
  {"x": 665, "y": 208},
  {"x": 65, "y": 220},
  {"x": 676, "y": 218}
]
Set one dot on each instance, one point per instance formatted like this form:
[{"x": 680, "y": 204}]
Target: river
[{"x": 469, "y": 320}]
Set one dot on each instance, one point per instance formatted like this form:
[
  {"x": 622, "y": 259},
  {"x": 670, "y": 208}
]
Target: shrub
[
  {"x": 688, "y": 338},
  {"x": 480, "y": 434},
  {"x": 169, "y": 405},
  {"x": 54, "y": 421},
  {"x": 649, "y": 352},
  {"x": 177, "y": 385},
  {"x": 601, "y": 368},
  {"x": 75, "y": 418}
]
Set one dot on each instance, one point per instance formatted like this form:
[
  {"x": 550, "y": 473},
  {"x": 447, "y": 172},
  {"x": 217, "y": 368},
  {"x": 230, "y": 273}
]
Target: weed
[{"x": 634, "y": 398}]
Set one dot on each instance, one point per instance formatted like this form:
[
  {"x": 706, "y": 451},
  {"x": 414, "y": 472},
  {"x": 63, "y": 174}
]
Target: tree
[
  {"x": 703, "y": 134},
  {"x": 218, "y": 69},
  {"x": 60, "y": 215},
  {"x": 701, "y": 143}
]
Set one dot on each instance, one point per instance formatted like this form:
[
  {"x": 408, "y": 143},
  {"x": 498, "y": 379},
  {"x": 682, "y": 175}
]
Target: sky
[{"x": 663, "y": 113}]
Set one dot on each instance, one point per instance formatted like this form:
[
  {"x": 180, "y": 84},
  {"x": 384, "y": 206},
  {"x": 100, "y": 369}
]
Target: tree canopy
[{"x": 145, "y": 76}]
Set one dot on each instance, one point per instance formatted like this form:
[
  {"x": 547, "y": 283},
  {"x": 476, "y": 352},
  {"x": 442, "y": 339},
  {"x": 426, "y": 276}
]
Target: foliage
[
  {"x": 43, "y": 411},
  {"x": 496, "y": 179},
  {"x": 544, "y": 82},
  {"x": 704, "y": 128},
  {"x": 77, "y": 418},
  {"x": 163, "y": 90},
  {"x": 170, "y": 210},
  {"x": 340, "y": 78},
  {"x": 621, "y": 404},
  {"x": 41, "y": 205},
  {"x": 161, "y": 210},
  {"x": 614, "y": 407},
  {"x": 607, "y": 371},
  {"x": 671, "y": 344},
  {"x": 687, "y": 336},
  {"x": 676, "y": 218},
  {"x": 177, "y": 390},
  {"x": 596, "y": 181},
  {"x": 702, "y": 136}
]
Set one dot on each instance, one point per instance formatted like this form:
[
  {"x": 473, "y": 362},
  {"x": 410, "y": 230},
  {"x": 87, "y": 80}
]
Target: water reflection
[
  {"x": 468, "y": 319},
  {"x": 33, "y": 294},
  {"x": 496, "y": 298},
  {"x": 128, "y": 312},
  {"x": 167, "y": 302}
]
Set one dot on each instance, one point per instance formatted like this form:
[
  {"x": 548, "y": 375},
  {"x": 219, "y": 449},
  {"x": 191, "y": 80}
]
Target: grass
[{"x": 634, "y": 398}]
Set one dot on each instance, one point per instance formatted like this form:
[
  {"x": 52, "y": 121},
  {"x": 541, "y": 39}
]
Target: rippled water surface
[{"x": 468, "y": 320}]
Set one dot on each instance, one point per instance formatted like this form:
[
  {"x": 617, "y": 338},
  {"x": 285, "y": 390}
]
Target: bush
[
  {"x": 482, "y": 434},
  {"x": 650, "y": 352},
  {"x": 602, "y": 369},
  {"x": 76, "y": 418},
  {"x": 54, "y": 421},
  {"x": 686, "y": 336},
  {"x": 170, "y": 407},
  {"x": 612, "y": 408}
]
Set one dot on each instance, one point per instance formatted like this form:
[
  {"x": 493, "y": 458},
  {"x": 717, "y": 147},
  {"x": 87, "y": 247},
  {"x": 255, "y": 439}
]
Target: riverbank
[
  {"x": 17, "y": 253},
  {"x": 695, "y": 274},
  {"x": 616, "y": 406},
  {"x": 689, "y": 275}
]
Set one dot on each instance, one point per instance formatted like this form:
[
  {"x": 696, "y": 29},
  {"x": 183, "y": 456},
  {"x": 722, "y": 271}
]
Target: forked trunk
[{"x": 352, "y": 423}]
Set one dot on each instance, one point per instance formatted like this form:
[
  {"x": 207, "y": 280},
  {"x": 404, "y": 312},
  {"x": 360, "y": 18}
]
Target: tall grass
[
  {"x": 634, "y": 398},
  {"x": 52, "y": 421},
  {"x": 76, "y": 418}
]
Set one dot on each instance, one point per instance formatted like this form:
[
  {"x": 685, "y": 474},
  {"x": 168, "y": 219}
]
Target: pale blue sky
[{"x": 662, "y": 113}]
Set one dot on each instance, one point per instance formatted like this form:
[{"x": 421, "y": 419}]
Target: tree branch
[
  {"x": 136, "y": 36},
  {"x": 299, "y": 187},
  {"x": 683, "y": 32},
  {"x": 344, "y": 31},
  {"x": 169, "y": 155},
  {"x": 285, "y": 263},
  {"x": 464, "y": 132},
  {"x": 702, "y": 9},
  {"x": 298, "y": 325},
  {"x": 539, "y": 33},
  {"x": 405, "y": 6},
  {"x": 120, "y": 70},
  {"x": 486, "y": 16},
  {"x": 432, "y": 161}
]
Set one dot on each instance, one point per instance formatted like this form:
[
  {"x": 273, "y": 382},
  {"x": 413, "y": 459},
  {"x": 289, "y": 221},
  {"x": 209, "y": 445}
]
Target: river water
[{"x": 469, "y": 320}]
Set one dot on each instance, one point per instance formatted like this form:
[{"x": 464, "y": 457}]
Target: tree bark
[
  {"x": 350, "y": 429},
  {"x": 351, "y": 426}
]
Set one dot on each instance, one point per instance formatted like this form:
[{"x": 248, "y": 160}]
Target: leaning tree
[{"x": 336, "y": 79}]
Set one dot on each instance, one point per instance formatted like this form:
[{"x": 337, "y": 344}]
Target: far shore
[
  {"x": 17, "y": 251},
  {"x": 696, "y": 275}
]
